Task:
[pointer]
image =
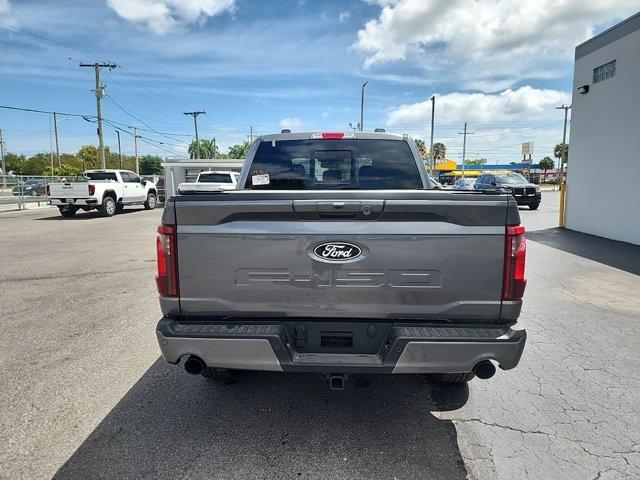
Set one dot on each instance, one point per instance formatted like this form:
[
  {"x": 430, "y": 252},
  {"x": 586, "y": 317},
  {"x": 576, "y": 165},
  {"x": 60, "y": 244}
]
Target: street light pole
[
  {"x": 55, "y": 129},
  {"x": 119, "y": 149},
  {"x": 362, "y": 106},
  {"x": 563, "y": 159},
  {"x": 432, "y": 160}
]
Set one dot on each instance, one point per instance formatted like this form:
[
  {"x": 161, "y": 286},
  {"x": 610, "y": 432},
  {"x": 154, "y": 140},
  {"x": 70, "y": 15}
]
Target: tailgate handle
[{"x": 337, "y": 209}]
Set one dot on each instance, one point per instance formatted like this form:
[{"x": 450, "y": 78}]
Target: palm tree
[
  {"x": 206, "y": 149},
  {"x": 439, "y": 151},
  {"x": 546, "y": 164}
]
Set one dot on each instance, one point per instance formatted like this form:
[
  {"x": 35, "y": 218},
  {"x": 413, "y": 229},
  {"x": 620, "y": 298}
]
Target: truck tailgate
[
  {"x": 69, "y": 190},
  {"x": 415, "y": 255}
]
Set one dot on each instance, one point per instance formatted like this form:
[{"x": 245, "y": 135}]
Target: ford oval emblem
[{"x": 337, "y": 251}]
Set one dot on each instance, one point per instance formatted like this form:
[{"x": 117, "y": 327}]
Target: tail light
[
  {"x": 48, "y": 190},
  {"x": 92, "y": 189},
  {"x": 167, "y": 252},
  {"x": 513, "y": 282}
]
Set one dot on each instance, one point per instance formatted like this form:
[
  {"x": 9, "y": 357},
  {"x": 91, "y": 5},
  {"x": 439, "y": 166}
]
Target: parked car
[
  {"x": 30, "y": 188},
  {"x": 464, "y": 183},
  {"x": 335, "y": 257},
  {"x": 211, "y": 181},
  {"x": 107, "y": 191},
  {"x": 523, "y": 191},
  {"x": 158, "y": 181}
]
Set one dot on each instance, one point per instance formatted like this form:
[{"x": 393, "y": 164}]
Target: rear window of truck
[
  {"x": 214, "y": 178},
  {"x": 101, "y": 176},
  {"x": 334, "y": 165}
]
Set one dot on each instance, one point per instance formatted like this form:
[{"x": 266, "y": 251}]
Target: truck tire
[
  {"x": 453, "y": 377},
  {"x": 68, "y": 211},
  {"x": 220, "y": 374},
  {"x": 151, "y": 202},
  {"x": 108, "y": 207},
  {"x": 533, "y": 206}
]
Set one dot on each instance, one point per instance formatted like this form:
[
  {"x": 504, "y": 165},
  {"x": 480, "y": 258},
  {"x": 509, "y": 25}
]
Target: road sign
[{"x": 527, "y": 148}]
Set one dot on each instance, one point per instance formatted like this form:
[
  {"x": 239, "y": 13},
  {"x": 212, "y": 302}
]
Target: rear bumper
[
  {"x": 404, "y": 348},
  {"x": 80, "y": 202},
  {"x": 528, "y": 199}
]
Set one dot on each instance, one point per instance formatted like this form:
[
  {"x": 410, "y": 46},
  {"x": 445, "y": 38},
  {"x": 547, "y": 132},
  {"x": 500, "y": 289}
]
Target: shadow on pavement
[
  {"x": 269, "y": 425},
  {"x": 620, "y": 255},
  {"x": 81, "y": 215}
]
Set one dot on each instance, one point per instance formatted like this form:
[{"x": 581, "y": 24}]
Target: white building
[
  {"x": 605, "y": 135},
  {"x": 180, "y": 170}
]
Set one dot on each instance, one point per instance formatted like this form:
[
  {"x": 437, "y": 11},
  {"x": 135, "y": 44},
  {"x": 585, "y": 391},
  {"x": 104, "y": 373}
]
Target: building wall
[{"x": 605, "y": 137}]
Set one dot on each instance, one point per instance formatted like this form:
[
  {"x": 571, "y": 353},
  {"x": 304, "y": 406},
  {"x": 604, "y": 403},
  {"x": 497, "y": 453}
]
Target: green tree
[
  {"x": 39, "y": 164},
  {"x": 89, "y": 156},
  {"x": 475, "y": 161},
  {"x": 66, "y": 171},
  {"x": 560, "y": 149},
  {"x": 546, "y": 164},
  {"x": 422, "y": 148},
  {"x": 14, "y": 163},
  {"x": 206, "y": 149},
  {"x": 439, "y": 151},
  {"x": 239, "y": 151},
  {"x": 151, "y": 165}
]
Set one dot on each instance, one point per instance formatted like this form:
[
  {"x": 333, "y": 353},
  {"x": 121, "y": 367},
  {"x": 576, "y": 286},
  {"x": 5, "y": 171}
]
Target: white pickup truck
[
  {"x": 107, "y": 191},
  {"x": 211, "y": 181}
]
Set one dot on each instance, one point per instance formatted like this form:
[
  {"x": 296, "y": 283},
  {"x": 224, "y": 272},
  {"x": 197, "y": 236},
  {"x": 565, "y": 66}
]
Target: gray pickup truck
[{"x": 338, "y": 256}]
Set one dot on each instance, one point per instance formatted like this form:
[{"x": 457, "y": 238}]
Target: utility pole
[
  {"x": 135, "y": 148},
  {"x": 214, "y": 148},
  {"x": 564, "y": 140},
  {"x": 464, "y": 145},
  {"x": 99, "y": 94},
  {"x": 563, "y": 159},
  {"x": 432, "y": 160},
  {"x": 195, "y": 124},
  {"x": 4, "y": 167},
  {"x": 362, "y": 106},
  {"x": 251, "y": 134},
  {"x": 55, "y": 129},
  {"x": 119, "y": 149}
]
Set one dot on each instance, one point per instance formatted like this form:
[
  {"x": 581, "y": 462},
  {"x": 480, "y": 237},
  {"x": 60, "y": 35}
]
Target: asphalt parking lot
[{"x": 85, "y": 395}]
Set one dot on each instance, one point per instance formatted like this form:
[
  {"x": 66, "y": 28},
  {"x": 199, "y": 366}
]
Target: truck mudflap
[{"x": 340, "y": 347}]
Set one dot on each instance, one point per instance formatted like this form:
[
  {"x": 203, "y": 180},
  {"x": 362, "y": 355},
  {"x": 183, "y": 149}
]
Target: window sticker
[{"x": 260, "y": 179}]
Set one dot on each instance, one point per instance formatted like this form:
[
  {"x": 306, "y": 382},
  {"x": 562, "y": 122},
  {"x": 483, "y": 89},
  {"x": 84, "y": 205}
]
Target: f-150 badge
[{"x": 337, "y": 251}]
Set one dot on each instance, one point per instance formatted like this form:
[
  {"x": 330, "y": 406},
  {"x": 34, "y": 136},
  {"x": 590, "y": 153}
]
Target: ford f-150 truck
[
  {"x": 338, "y": 256},
  {"x": 107, "y": 191}
]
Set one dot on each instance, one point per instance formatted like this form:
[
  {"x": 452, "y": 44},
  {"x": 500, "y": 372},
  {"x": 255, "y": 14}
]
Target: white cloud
[
  {"x": 508, "y": 105},
  {"x": 291, "y": 123},
  {"x": 5, "y": 6},
  {"x": 344, "y": 16},
  {"x": 161, "y": 16},
  {"x": 484, "y": 38}
]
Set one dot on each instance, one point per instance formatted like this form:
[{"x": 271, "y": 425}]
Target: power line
[{"x": 141, "y": 121}]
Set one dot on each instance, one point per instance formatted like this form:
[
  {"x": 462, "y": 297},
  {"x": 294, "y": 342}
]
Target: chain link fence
[{"x": 16, "y": 191}]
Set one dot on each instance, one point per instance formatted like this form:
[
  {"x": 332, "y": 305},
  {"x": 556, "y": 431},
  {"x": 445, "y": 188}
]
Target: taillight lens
[
  {"x": 92, "y": 189},
  {"x": 514, "y": 283},
  {"x": 48, "y": 191},
  {"x": 167, "y": 253}
]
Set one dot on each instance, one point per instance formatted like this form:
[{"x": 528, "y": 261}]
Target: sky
[{"x": 502, "y": 66}]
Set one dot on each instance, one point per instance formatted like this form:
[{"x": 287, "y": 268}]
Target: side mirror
[
  {"x": 143, "y": 182},
  {"x": 494, "y": 184}
]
